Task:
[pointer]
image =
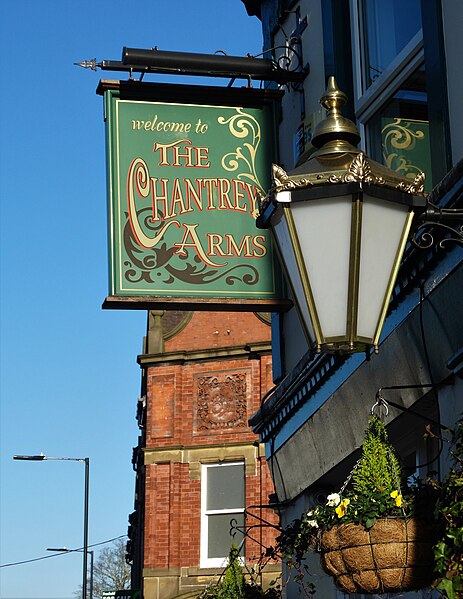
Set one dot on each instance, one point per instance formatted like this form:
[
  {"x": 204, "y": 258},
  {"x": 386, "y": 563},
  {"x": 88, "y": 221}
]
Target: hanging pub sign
[{"x": 183, "y": 179}]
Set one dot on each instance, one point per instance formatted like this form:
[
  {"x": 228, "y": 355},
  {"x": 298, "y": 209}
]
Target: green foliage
[
  {"x": 377, "y": 492},
  {"x": 233, "y": 584},
  {"x": 233, "y": 580},
  {"x": 379, "y": 469},
  {"x": 448, "y": 551}
]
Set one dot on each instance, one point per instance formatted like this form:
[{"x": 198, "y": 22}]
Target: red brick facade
[{"x": 203, "y": 378}]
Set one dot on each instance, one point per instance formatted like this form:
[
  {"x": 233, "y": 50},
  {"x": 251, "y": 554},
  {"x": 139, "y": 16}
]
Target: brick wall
[
  {"x": 197, "y": 412},
  {"x": 208, "y": 330}
]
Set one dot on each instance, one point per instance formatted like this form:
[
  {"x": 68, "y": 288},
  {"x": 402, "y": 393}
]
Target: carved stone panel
[{"x": 221, "y": 402}]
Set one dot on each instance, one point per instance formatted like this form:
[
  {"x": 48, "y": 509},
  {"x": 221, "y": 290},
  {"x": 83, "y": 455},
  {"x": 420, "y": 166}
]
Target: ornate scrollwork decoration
[
  {"x": 432, "y": 219},
  {"x": 163, "y": 263},
  {"x": 291, "y": 59},
  {"x": 279, "y": 177},
  {"x": 423, "y": 239},
  {"x": 415, "y": 187},
  {"x": 243, "y": 125},
  {"x": 359, "y": 172},
  {"x": 283, "y": 182},
  {"x": 400, "y": 138}
]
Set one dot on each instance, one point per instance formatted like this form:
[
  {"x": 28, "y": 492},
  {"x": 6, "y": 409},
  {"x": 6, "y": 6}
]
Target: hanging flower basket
[
  {"x": 393, "y": 555},
  {"x": 377, "y": 536}
]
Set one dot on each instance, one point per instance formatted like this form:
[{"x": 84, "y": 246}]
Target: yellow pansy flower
[
  {"x": 342, "y": 508},
  {"x": 397, "y": 498}
]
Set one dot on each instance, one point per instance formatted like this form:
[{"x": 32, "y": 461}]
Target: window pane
[
  {"x": 225, "y": 487},
  {"x": 399, "y": 131},
  {"x": 219, "y": 538},
  {"x": 389, "y": 26}
]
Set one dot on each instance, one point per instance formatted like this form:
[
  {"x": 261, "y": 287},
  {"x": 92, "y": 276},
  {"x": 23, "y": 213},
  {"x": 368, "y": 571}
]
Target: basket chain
[{"x": 347, "y": 481}]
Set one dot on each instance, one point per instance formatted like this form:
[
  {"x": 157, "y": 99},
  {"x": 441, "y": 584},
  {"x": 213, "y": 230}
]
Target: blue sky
[{"x": 69, "y": 377}]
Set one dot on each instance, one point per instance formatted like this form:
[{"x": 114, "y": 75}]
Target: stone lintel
[{"x": 195, "y": 456}]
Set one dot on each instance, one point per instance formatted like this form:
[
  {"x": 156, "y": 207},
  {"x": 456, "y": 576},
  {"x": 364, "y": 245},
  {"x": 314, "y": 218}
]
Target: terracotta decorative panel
[{"x": 221, "y": 402}]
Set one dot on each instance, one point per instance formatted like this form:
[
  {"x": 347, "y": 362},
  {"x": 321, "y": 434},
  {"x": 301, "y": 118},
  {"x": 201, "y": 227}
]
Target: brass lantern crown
[{"x": 338, "y": 160}]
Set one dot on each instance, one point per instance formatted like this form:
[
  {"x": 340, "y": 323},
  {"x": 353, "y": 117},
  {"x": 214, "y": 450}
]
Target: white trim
[
  {"x": 369, "y": 99},
  {"x": 355, "y": 45},
  {"x": 216, "y": 562},
  {"x": 389, "y": 82}
]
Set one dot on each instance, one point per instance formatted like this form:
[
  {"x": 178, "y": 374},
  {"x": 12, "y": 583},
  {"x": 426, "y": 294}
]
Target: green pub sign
[{"x": 182, "y": 203}]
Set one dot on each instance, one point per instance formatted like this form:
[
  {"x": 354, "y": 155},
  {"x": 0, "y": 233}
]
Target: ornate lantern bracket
[{"x": 435, "y": 219}]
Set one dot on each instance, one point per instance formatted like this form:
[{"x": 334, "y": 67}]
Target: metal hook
[{"x": 380, "y": 403}]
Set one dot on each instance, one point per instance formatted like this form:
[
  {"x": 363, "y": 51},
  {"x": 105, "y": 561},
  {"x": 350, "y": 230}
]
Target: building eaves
[{"x": 253, "y": 7}]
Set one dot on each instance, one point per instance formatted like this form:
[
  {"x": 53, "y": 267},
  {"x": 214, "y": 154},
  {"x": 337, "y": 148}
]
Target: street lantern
[{"x": 341, "y": 222}]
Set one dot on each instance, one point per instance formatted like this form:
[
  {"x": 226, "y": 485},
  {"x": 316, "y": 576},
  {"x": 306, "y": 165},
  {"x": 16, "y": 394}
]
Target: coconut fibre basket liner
[{"x": 394, "y": 555}]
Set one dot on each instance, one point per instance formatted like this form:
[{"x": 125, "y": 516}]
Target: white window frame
[
  {"x": 205, "y": 561},
  {"x": 368, "y": 101}
]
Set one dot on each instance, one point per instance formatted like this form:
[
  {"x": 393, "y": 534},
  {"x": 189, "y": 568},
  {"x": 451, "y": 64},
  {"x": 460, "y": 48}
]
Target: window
[
  {"x": 388, "y": 28},
  {"x": 222, "y": 505},
  {"x": 391, "y": 103},
  {"x": 399, "y": 131}
]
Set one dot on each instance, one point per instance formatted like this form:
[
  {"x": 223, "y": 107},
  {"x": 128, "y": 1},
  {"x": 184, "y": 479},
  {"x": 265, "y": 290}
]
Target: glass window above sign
[
  {"x": 399, "y": 131},
  {"x": 388, "y": 27}
]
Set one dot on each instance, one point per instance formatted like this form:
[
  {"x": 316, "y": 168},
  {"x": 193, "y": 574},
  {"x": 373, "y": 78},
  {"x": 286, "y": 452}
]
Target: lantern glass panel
[
  {"x": 323, "y": 230},
  {"x": 383, "y": 225},
  {"x": 288, "y": 258}
]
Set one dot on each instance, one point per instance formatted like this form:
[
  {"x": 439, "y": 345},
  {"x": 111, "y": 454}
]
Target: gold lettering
[
  {"x": 234, "y": 249},
  {"x": 181, "y": 149},
  {"x": 188, "y": 150},
  {"x": 209, "y": 185},
  {"x": 190, "y": 232},
  {"x": 260, "y": 246},
  {"x": 159, "y": 197},
  {"x": 177, "y": 198},
  {"x": 238, "y": 194},
  {"x": 224, "y": 199},
  {"x": 155, "y": 125},
  {"x": 193, "y": 193},
  {"x": 214, "y": 241},
  {"x": 202, "y": 158},
  {"x": 138, "y": 178},
  {"x": 163, "y": 151}
]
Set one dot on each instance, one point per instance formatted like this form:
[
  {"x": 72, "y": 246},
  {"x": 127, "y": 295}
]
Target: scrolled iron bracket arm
[{"x": 436, "y": 219}]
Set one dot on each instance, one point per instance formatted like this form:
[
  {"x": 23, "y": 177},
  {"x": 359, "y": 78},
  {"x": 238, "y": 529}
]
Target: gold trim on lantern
[
  {"x": 395, "y": 270},
  {"x": 303, "y": 274}
]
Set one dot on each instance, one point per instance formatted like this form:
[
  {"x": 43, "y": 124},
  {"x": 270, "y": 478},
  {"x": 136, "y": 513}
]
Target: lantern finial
[
  {"x": 335, "y": 128},
  {"x": 333, "y": 99}
]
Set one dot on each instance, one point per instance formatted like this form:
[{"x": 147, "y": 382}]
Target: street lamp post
[
  {"x": 86, "y": 461},
  {"x": 66, "y": 550}
]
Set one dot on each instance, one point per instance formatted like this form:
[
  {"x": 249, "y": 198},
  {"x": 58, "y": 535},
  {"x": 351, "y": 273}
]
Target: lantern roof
[{"x": 338, "y": 160}]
